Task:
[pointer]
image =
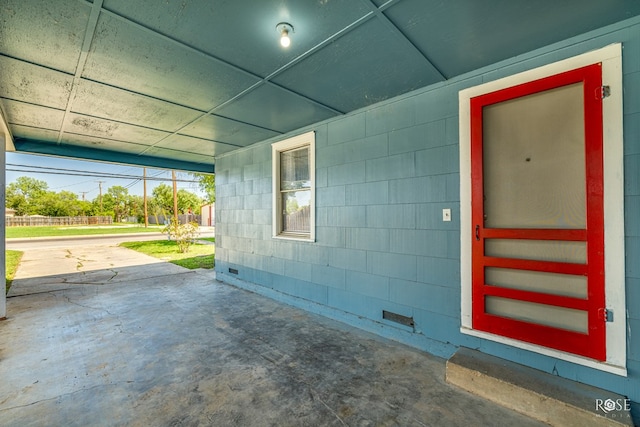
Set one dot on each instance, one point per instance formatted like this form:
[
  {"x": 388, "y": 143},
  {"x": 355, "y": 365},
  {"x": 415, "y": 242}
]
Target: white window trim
[
  {"x": 306, "y": 139},
  {"x": 616, "y": 347}
]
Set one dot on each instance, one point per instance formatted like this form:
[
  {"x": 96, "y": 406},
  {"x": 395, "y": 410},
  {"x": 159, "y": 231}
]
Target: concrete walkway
[{"x": 158, "y": 345}]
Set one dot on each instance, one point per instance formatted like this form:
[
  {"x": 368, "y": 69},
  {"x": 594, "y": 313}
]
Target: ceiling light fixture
[{"x": 284, "y": 28}]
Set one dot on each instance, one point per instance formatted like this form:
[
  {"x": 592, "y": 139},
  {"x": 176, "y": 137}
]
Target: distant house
[
  {"x": 8, "y": 212},
  {"x": 208, "y": 214}
]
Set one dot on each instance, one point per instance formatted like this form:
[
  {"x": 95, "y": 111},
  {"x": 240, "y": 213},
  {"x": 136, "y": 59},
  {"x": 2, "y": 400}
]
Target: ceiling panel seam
[
  {"x": 378, "y": 11},
  {"x": 296, "y": 60},
  {"x": 210, "y": 112},
  {"x": 21, "y": 101},
  {"x": 254, "y": 86},
  {"x": 26, "y": 61},
  {"x": 174, "y": 104},
  {"x": 82, "y": 60},
  {"x": 181, "y": 44}
]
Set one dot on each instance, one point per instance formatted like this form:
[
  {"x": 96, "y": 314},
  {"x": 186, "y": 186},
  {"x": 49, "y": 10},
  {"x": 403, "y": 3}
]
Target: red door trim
[{"x": 592, "y": 343}]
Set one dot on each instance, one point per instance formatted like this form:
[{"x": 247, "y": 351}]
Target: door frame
[{"x": 614, "y": 268}]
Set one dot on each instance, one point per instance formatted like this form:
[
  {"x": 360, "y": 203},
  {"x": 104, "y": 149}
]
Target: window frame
[
  {"x": 611, "y": 59},
  {"x": 300, "y": 141}
]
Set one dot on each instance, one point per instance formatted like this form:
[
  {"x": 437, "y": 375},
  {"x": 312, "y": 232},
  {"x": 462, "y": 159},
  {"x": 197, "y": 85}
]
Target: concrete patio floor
[{"x": 172, "y": 347}]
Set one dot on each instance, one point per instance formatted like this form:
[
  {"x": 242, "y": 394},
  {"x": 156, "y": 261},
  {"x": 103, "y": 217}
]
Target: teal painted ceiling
[{"x": 173, "y": 83}]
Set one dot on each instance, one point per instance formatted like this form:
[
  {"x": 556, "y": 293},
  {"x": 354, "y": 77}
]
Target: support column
[{"x": 3, "y": 224}]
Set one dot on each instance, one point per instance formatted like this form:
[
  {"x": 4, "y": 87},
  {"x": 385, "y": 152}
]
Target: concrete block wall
[{"x": 383, "y": 176}]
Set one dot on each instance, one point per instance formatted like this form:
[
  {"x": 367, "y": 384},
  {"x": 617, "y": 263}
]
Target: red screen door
[{"x": 537, "y": 212}]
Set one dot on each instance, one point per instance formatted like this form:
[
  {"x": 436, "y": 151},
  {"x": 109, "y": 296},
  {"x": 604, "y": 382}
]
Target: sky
[{"x": 58, "y": 174}]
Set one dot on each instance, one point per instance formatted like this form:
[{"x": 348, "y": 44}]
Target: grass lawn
[
  {"x": 78, "y": 230},
  {"x": 12, "y": 260},
  {"x": 199, "y": 256}
]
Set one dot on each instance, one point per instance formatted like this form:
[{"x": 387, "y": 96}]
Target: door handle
[{"x": 477, "y": 232}]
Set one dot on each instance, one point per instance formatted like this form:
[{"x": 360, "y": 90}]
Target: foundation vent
[
  {"x": 233, "y": 271},
  {"x": 398, "y": 318}
]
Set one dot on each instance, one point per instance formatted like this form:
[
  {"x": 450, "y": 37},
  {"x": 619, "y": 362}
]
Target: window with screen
[{"x": 293, "y": 187}]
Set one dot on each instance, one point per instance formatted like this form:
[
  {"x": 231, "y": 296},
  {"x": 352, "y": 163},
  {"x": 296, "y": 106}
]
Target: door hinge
[
  {"x": 603, "y": 92},
  {"x": 606, "y": 314}
]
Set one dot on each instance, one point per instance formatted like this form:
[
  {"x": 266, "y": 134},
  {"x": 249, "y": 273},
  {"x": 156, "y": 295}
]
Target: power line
[{"x": 92, "y": 174}]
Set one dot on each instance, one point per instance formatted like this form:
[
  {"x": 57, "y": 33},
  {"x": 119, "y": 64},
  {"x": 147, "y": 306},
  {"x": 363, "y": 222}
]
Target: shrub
[{"x": 184, "y": 234}]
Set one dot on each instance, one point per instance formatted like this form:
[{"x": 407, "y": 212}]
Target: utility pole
[
  {"x": 100, "y": 186},
  {"x": 175, "y": 197},
  {"x": 144, "y": 182},
  {"x": 83, "y": 193}
]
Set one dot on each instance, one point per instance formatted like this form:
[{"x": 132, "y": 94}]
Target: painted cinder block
[
  {"x": 632, "y": 133},
  {"x": 346, "y": 216},
  {"x": 437, "y": 161},
  {"x": 392, "y": 265},
  {"x": 632, "y": 249},
  {"x": 452, "y": 131},
  {"x": 274, "y": 265},
  {"x": 392, "y": 167},
  {"x": 332, "y": 155},
  {"x": 297, "y": 270},
  {"x": 253, "y": 201},
  {"x": 633, "y": 294},
  {"x": 353, "y": 151},
  {"x": 328, "y": 276},
  {"x": 391, "y": 216},
  {"x": 346, "y": 129},
  {"x": 330, "y": 236},
  {"x": 372, "y": 239},
  {"x": 253, "y": 171},
  {"x": 263, "y": 247},
  {"x": 429, "y": 216},
  {"x": 357, "y": 304},
  {"x": 418, "y": 190},
  {"x": 261, "y": 216},
  {"x": 348, "y": 259},
  {"x": 439, "y": 271},
  {"x": 453, "y": 244},
  {"x": 417, "y": 138},
  {"x": 631, "y": 175},
  {"x": 424, "y": 296},
  {"x": 322, "y": 135},
  {"x": 312, "y": 292},
  {"x": 322, "y": 177},
  {"x": 419, "y": 242},
  {"x": 367, "y": 284},
  {"x": 285, "y": 249},
  {"x": 436, "y": 326},
  {"x": 244, "y": 188},
  {"x": 350, "y": 173},
  {"x": 632, "y": 85},
  {"x": 285, "y": 284},
  {"x": 331, "y": 196},
  {"x": 633, "y": 326},
  {"x": 368, "y": 193},
  {"x": 391, "y": 116},
  {"x": 313, "y": 254},
  {"x": 263, "y": 185}
]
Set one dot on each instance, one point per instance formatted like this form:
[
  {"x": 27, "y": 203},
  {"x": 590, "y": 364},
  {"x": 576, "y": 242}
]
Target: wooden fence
[
  {"x": 298, "y": 221},
  {"x": 33, "y": 221}
]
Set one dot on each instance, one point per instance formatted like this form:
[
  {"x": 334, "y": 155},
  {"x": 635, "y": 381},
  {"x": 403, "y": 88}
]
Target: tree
[
  {"x": 117, "y": 200},
  {"x": 64, "y": 203},
  {"x": 163, "y": 200},
  {"x": 188, "y": 202},
  {"x": 207, "y": 183},
  {"x": 22, "y": 195}
]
